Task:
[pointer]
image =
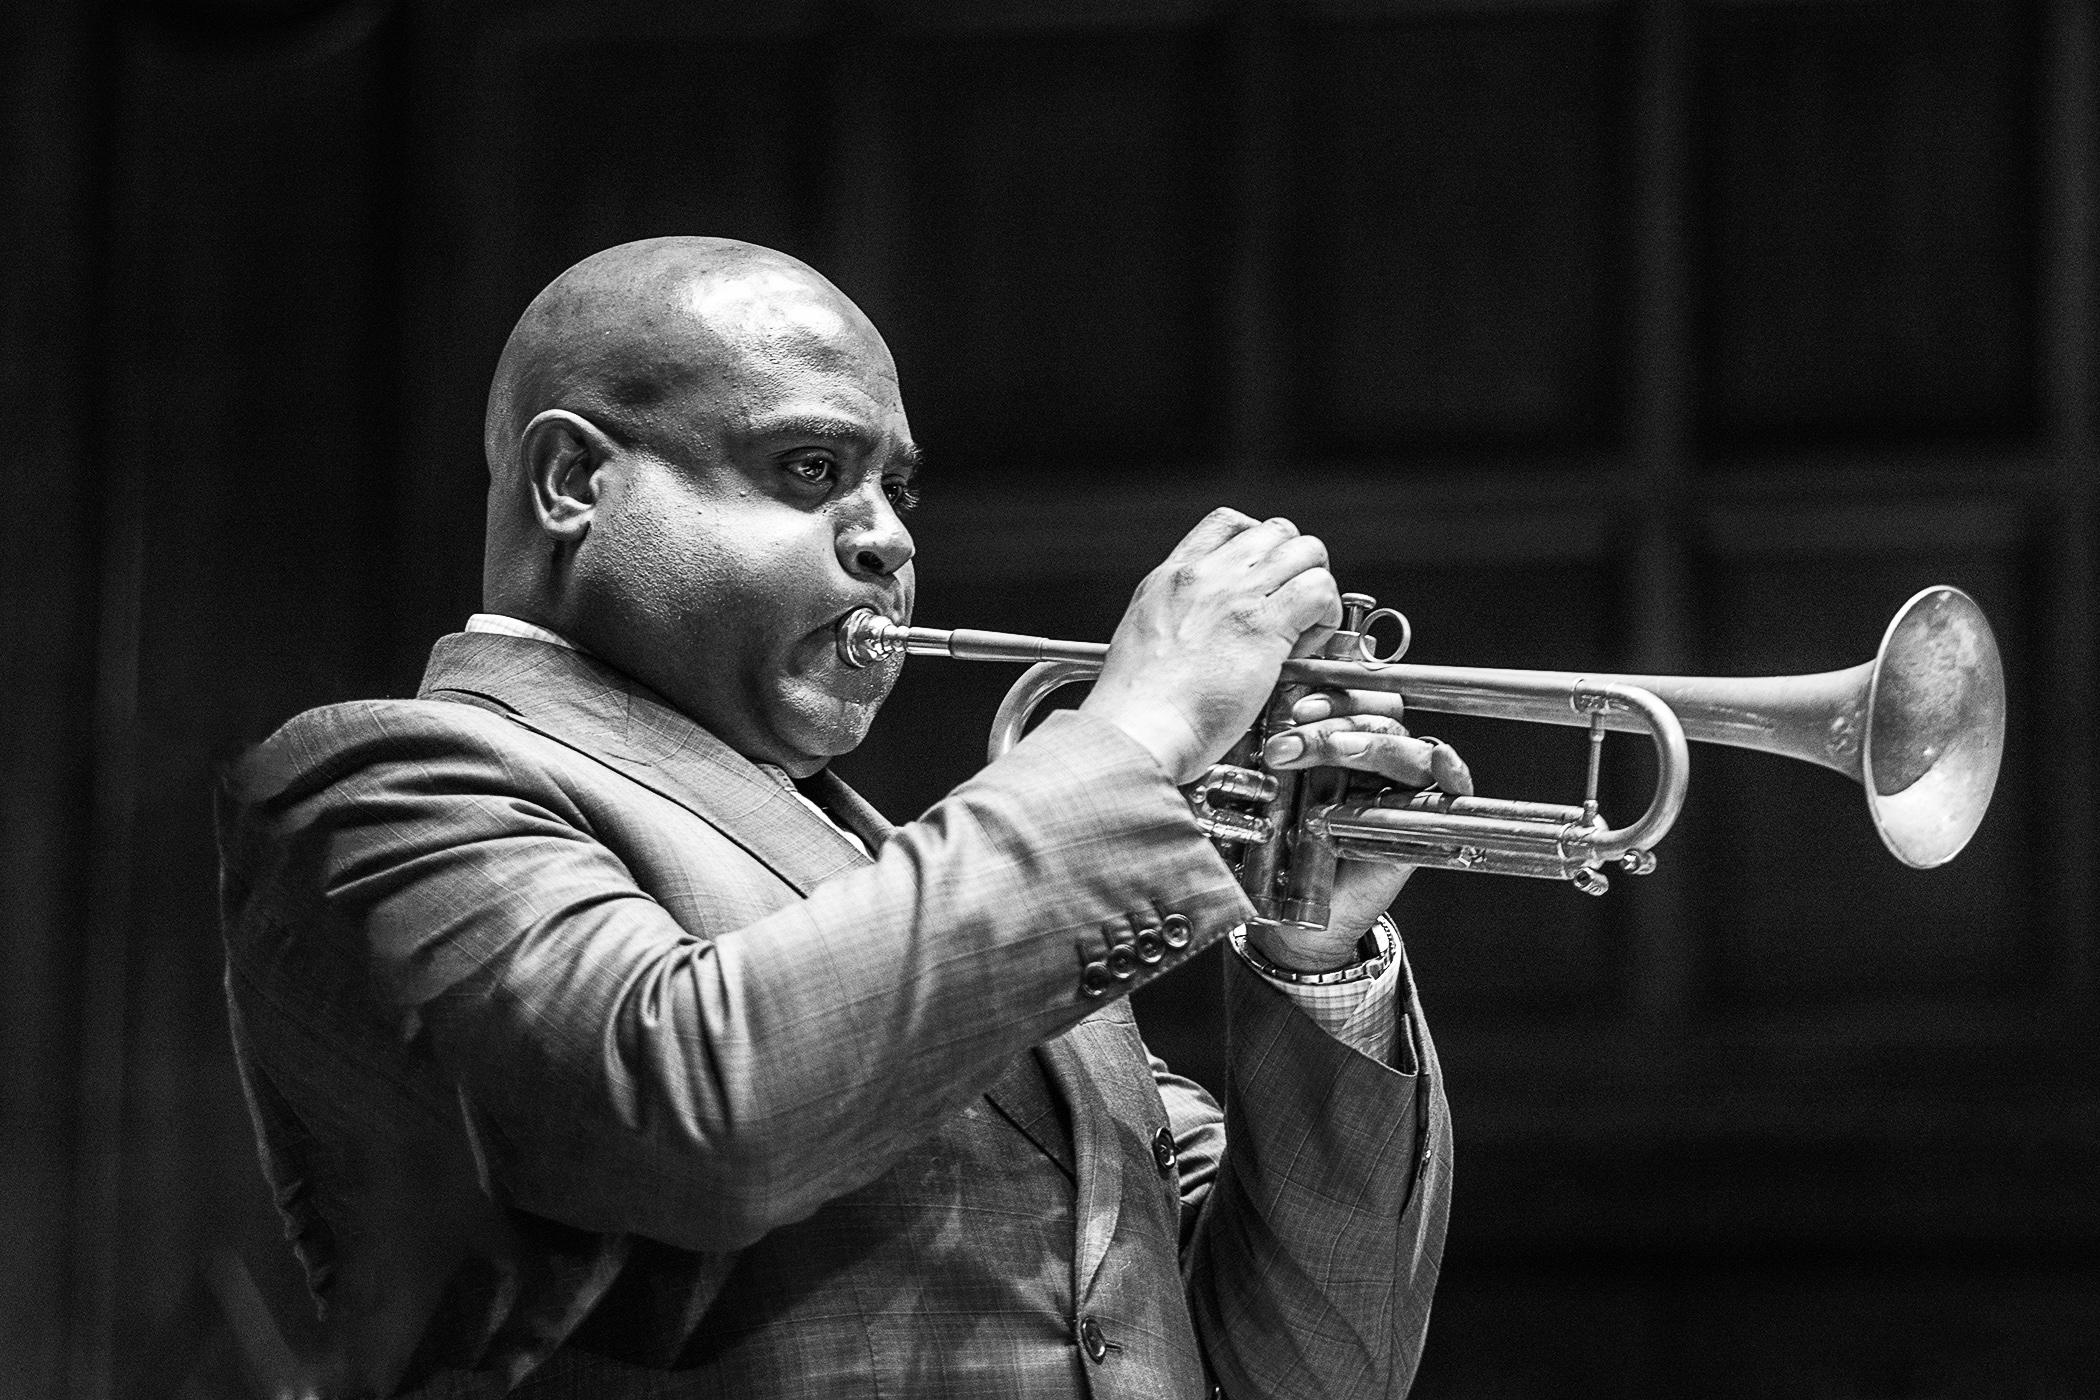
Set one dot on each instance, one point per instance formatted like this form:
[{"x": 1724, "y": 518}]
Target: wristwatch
[{"x": 1374, "y": 954}]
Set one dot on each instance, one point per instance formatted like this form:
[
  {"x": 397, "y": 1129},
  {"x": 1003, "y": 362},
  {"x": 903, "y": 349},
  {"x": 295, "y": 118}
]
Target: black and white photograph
[{"x": 1062, "y": 699}]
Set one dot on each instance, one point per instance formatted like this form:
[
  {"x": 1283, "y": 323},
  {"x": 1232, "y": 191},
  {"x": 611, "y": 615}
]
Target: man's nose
[{"x": 875, "y": 543}]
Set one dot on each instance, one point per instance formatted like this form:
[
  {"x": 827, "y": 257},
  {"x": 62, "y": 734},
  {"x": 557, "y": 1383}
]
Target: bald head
[
  {"x": 627, "y": 336},
  {"x": 697, "y": 454}
]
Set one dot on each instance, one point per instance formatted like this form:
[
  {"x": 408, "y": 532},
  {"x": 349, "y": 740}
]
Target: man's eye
[
  {"x": 814, "y": 470},
  {"x": 903, "y": 495}
]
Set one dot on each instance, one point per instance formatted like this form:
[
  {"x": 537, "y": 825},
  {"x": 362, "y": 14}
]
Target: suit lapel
[
  {"x": 724, "y": 790},
  {"x": 1099, "y": 1165},
  {"x": 1025, "y": 1096},
  {"x": 587, "y": 706}
]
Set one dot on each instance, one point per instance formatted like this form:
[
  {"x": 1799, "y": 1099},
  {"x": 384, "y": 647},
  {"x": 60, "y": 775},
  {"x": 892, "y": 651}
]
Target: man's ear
[{"x": 561, "y": 453}]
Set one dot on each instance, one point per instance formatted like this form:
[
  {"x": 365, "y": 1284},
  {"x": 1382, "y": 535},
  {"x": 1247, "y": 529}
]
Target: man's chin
[{"x": 824, "y": 726}]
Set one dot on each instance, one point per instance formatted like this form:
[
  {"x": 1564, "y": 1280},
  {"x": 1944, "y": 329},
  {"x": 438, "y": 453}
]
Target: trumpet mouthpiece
[{"x": 866, "y": 637}]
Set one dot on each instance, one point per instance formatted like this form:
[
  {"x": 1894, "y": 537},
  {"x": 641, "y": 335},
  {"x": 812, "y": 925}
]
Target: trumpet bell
[{"x": 1935, "y": 730}]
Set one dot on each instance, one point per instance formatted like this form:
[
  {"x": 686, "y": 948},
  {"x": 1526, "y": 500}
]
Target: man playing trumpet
[{"x": 601, "y": 1041}]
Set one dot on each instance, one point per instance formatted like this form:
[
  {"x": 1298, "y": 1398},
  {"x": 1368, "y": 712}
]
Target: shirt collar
[{"x": 505, "y": 626}]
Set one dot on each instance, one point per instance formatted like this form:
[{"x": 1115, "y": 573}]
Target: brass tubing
[
  {"x": 1462, "y": 856},
  {"x": 1358, "y": 822},
  {"x": 1431, "y": 800},
  {"x": 1618, "y": 702},
  {"x": 1609, "y": 700},
  {"x": 1787, "y": 715},
  {"x": 1027, "y": 693},
  {"x": 1921, "y": 727}
]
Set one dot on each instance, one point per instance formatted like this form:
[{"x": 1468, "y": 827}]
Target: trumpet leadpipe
[{"x": 866, "y": 636}]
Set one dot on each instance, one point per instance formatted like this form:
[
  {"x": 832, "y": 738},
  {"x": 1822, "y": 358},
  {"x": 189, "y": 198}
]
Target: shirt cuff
[{"x": 1362, "y": 1015}]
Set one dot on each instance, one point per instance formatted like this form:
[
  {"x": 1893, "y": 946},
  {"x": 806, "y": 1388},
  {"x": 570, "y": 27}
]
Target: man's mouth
[
  {"x": 817, "y": 651},
  {"x": 892, "y": 609}
]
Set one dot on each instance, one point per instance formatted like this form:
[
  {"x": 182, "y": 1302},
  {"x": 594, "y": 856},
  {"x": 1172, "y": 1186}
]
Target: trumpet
[{"x": 1921, "y": 728}]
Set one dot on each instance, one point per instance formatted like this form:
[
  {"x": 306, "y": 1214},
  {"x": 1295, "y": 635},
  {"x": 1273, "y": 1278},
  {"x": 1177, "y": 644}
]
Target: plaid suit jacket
[{"x": 586, "y": 1060}]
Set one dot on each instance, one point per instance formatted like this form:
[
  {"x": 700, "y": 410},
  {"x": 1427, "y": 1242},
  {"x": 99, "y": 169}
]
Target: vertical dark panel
[
  {"x": 1658, "y": 578},
  {"x": 461, "y": 287},
  {"x": 2071, "y": 418},
  {"x": 50, "y": 160},
  {"x": 1452, "y": 248},
  {"x": 1257, "y": 375},
  {"x": 862, "y": 249},
  {"x": 1064, "y": 207},
  {"x": 254, "y": 436},
  {"x": 627, "y": 139},
  {"x": 1869, "y": 220}
]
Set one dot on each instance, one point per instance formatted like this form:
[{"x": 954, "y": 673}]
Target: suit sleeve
[
  {"x": 621, "y": 1074},
  {"x": 1313, "y": 1231}
]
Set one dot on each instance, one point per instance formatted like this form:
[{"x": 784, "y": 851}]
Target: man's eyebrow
[
  {"x": 814, "y": 425},
  {"x": 829, "y": 429}
]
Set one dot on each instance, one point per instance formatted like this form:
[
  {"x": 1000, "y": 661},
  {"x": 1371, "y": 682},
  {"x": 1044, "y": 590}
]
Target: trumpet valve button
[
  {"x": 1591, "y": 881},
  {"x": 1242, "y": 828},
  {"x": 1638, "y": 862},
  {"x": 1240, "y": 784}
]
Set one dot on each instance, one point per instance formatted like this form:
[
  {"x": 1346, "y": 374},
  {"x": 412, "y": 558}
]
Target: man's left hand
[{"x": 1357, "y": 729}]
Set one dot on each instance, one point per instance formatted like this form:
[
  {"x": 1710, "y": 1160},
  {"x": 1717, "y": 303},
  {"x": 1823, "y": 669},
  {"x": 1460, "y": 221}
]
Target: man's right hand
[{"x": 1197, "y": 653}]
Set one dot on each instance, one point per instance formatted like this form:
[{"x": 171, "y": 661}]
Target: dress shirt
[{"x": 1362, "y": 1015}]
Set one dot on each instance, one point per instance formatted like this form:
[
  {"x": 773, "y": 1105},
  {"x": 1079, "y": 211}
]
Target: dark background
[{"x": 1657, "y": 336}]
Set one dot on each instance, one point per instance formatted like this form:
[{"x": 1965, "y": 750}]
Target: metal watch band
[{"x": 1388, "y": 939}]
